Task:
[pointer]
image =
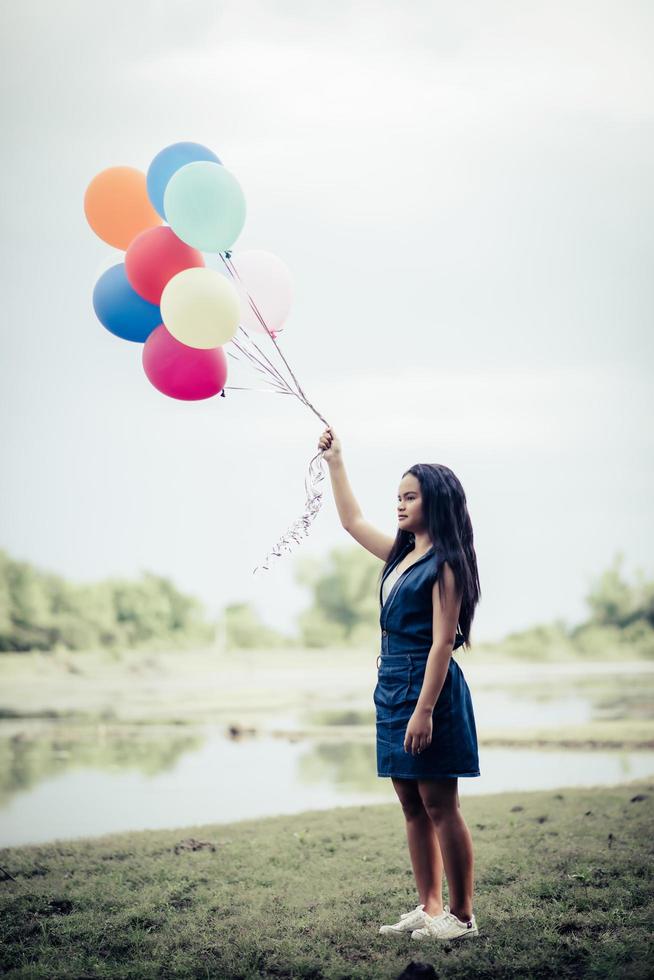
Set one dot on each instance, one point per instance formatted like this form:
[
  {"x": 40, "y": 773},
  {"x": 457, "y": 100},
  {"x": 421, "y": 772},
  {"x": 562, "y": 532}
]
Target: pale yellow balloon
[{"x": 200, "y": 308}]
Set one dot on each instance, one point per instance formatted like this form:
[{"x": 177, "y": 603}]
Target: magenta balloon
[{"x": 187, "y": 373}]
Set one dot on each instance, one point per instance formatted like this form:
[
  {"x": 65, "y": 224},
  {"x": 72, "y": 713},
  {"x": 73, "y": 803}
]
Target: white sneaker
[
  {"x": 446, "y": 926},
  {"x": 411, "y": 920}
]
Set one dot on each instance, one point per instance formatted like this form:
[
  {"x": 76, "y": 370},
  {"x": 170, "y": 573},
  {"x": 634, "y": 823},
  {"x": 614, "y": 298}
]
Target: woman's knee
[
  {"x": 409, "y": 797},
  {"x": 440, "y": 801},
  {"x": 440, "y": 811}
]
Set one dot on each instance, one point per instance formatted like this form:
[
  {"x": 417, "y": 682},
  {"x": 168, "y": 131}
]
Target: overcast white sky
[{"x": 464, "y": 193}]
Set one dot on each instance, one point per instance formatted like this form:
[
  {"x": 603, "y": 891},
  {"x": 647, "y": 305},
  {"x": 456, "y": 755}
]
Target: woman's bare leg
[
  {"x": 424, "y": 849},
  {"x": 440, "y": 800}
]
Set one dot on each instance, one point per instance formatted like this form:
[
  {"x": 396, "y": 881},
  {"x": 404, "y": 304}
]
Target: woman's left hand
[{"x": 418, "y": 733}]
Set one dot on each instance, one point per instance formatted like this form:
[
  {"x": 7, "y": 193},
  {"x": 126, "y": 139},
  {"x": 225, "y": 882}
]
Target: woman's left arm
[{"x": 446, "y": 617}]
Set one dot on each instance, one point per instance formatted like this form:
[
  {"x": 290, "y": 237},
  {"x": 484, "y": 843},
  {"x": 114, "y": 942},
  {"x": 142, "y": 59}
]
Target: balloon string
[
  {"x": 316, "y": 471},
  {"x": 232, "y": 268},
  {"x": 302, "y": 524},
  {"x": 259, "y": 316},
  {"x": 234, "y": 274},
  {"x": 258, "y": 365},
  {"x": 256, "y": 362},
  {"x": 268, "y": 391}
]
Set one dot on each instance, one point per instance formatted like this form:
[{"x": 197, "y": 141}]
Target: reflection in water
[
  {"x": 537, "y": 703},
  {"x": 353, "y": 766},
  {"x": 580, "y": 700},
  {"x": 28, "y": 756},
  {"x": 132, "y": 782},
  {"x": 522, "y": 711},
  {"x": 344, "y": 765},
  {"x": 339, "y": 716},
  {"x": 529, "y": 705},
  {"x": 516, "y": 710}
]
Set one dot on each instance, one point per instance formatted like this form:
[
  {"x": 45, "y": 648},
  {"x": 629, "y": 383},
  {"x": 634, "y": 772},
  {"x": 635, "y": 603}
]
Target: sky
[{"x": 464, "y": 195}]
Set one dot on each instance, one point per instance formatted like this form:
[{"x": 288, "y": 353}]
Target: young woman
[{"x": 426, "y": 733}]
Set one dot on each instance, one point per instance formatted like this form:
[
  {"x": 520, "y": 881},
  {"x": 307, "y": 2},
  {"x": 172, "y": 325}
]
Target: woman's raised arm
[{"x": 352, "y": 519}]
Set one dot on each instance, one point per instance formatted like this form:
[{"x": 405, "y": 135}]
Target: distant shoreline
[
  {"x": 620, "y": 735},
  {"x": 327, "y": 695}
]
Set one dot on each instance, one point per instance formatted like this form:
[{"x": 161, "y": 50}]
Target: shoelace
[{"x": 418, "y": 908}]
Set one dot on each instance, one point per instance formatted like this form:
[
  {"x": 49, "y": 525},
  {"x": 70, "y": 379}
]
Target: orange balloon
[{"x": 117, "y": 206}]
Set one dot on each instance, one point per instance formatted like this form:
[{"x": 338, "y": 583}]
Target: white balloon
[{"x": 267, "y": 280}]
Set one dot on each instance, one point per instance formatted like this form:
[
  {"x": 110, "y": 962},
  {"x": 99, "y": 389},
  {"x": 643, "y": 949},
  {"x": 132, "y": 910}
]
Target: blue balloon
[
  {"x": 121, "y": 310},
  {"x": 168, "y": 162}
]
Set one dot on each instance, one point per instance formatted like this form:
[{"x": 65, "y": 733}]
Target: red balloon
[
  {"x": 187, "y": 373},
  {"x": 154, "y": 257}
]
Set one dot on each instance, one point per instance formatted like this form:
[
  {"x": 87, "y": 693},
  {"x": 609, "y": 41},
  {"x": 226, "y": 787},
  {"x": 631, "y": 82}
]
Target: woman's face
[{"x": 409, "y": 504}]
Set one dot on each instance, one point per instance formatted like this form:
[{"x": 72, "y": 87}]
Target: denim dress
[{"x": 406, "y": 620}]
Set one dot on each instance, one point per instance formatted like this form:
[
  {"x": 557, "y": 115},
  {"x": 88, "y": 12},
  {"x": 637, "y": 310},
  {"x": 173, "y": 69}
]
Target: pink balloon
[
  {"x": 187, "y": 373},
  {"x": 268, "y": 281},
  {"x": 154, "y": 257}
]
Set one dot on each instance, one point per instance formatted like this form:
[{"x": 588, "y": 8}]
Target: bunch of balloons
[{"x": 163, "y": 295}]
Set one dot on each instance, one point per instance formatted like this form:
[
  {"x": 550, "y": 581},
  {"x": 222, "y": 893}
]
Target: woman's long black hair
[{"x": 447, "y": 521}]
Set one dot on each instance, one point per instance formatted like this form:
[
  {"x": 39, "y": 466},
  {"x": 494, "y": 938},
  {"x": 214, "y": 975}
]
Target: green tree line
[
  {"x": 42, "y": 611},
  {"x": 345, "y": 611}
]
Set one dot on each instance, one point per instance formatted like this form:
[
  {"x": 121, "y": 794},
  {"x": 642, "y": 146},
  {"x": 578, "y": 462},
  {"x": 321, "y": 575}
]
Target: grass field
[{"x": 563, "y": 889}]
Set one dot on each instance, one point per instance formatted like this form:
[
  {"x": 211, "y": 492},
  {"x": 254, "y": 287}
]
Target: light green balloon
[
  {"x": 205, "y": 206},
  {"x": 200, "y": 308}
]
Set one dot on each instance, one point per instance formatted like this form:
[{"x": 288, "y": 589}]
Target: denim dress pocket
[{"x": 393, "y": 684}]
